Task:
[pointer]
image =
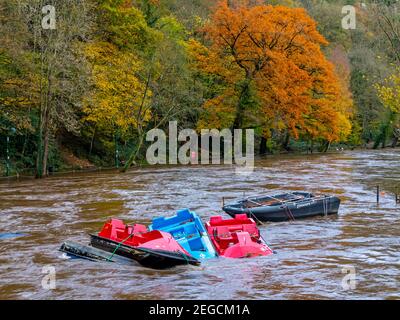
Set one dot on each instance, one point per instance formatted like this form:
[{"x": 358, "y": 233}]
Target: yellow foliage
[
  {"x": 389, "y": 93},
  {"x": 117, "y": 96}
]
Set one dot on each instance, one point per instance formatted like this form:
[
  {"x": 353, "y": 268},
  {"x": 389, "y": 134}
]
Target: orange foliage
[{"x": 276, "y": 50}]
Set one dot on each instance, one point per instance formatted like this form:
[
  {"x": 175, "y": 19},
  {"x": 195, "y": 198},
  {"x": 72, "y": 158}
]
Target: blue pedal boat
[{"x": 188, "y": 230}]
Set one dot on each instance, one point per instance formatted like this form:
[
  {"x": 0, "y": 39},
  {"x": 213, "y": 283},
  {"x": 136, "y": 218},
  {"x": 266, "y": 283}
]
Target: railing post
[{"x": 377, "y": 194}]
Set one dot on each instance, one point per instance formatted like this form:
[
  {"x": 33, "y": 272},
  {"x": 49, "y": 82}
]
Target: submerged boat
[
  {"x": 11, "y": 235},
  {"x": 153, "y": 249},
  {"x": 237, "y": 238},
  {"x": 188, "y": 230},
  {"x": 284, "y": 206},
  {"x": 77, "y": 250}
]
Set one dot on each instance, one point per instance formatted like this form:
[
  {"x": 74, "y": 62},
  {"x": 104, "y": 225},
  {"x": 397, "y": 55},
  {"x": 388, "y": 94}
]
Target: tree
[
  {"x": 387, "y": 18},
  {"x": 19, "y": 97},
  {"x": 373, "y": 57},
  {"x": 140, "y": 75},
  {"x": 54, "y": 56},
  {"x": 118, "y": 98},
  {"x": 270, "y": 64},
  {"x": 167, "y": 76},
  {"x": 389, "y": 92}
]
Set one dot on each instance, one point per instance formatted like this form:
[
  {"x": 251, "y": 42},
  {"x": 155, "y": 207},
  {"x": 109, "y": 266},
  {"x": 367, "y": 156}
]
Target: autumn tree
[
  {"x": 273, "y": 72},
  {"x": 118, "y": 103},
  {"x": 168, "y": 78},
  {"x": 383, "y": 24},
  {"x": 55, "y": 70},
  {"x": 140, "y": 78},
  {"x": 390, "y": 92},
  {"x": 118, "y": 94},
  {"x": 18, "y": 96}
]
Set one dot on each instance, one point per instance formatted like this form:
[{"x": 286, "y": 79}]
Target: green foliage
[
  {"x": 115, "y": 68},
  {"x": 354, "y": 139},
  {"x": 125, "y": 26}
]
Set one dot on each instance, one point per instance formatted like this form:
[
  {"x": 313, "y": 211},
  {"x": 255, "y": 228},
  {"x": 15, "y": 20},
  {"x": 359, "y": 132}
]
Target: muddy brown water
[{"x": 311, "y": 254}]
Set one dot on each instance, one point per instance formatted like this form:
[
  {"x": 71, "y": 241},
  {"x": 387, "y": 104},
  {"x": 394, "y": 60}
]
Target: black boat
[
  {"x": 151, "y": 258},
  {"x": 284, "y": 206},
  {"x": 77, "y": 250}
]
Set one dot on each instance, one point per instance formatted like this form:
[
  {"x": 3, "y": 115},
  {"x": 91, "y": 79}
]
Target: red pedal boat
[
  {"x": 237, "y": 238},
  {"x": 154, "y": 249}
]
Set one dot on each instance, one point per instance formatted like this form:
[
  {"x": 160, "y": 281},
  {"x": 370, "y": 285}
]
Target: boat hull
[
  {"x": 77, "y": 250},
  {"x": 309, "y": 207},
  {"x": 151, "y": 258}
]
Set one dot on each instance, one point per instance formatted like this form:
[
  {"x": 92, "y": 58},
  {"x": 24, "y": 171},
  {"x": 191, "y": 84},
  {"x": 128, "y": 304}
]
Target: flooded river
[{"x": 312, "y": 255}]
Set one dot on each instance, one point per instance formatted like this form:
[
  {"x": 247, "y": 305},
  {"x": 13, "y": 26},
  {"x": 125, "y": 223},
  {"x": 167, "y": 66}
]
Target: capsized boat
[
  {"x": 284, "y": 206},
  {"x": 154, "y": 249},
  {"x": 237, "y": 238},
  {"x": 77, "y": 250},
  {"x": 188, "y": 230}
]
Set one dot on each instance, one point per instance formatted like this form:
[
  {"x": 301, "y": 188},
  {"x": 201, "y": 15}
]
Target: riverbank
[{"x": 75, "y": 165}]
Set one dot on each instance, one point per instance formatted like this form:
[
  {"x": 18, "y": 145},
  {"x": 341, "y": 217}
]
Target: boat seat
[
  {"x": 139, "y": 228},
  {"x": 196, "y": 244},
  {"x": 190, "y": 228},
  {"x": 235, "y": 228},
  {"x": 215, "y": 220},
  {"x": 121, "y": 234},
  {"x": 223, "y": 234},
  {"x": 184, "y": 229},
  {"x": 187, "y": 231},
  {"x": 251, "y": 229},
  {"x": 178, "y": 233},
  {"x": 112, "y": 228}
]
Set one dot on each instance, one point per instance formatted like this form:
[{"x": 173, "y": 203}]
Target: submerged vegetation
[{"x": 87, "y": 91}]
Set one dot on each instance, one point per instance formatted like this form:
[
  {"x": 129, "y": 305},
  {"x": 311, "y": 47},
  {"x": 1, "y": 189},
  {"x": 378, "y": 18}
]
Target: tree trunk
[
  {"x": 46, "y": 125},
  {"x": 263, "y": 146},
  {"x": 24, "y": 145},
  {"x": 396, "y": 136},
  {"x": 92, "y": 141},
  {"x": 39, "y": 157},
  {"x": 394, "y": 142},
  {"x": 39, "y": 154},
  {"x": 286, "y": 142},
  {"x": 327, "y": 146},
  {"x": 243, "y": 97},
  {"x": 134, "y": 155},
  {"x": 45, "y": 147},
  {"x": 310, "y": 147}
]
